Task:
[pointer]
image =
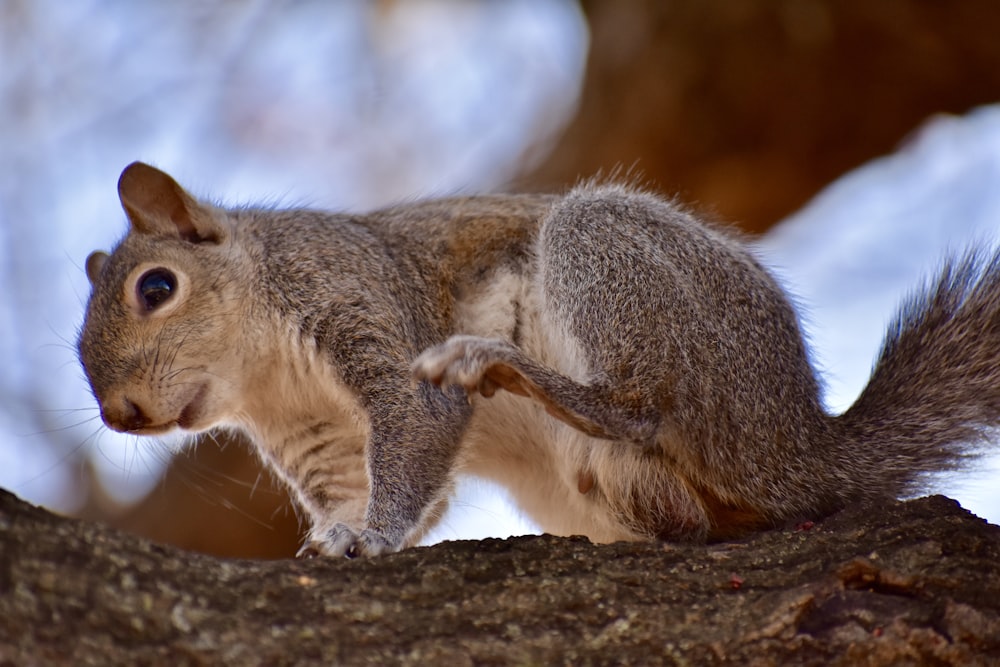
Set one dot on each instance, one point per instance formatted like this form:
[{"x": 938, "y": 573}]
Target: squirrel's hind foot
[{"x": 478, "y": 365}]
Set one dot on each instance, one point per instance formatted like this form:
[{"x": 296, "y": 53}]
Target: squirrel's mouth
[
  {"x": 193, "y": 410},
  {"x": 136, "y": 422},
  {"x": 153, "y": 429}
]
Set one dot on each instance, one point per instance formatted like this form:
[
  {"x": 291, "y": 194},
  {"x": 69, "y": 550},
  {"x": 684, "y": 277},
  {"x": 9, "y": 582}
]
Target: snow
[{"x": 853, "y": 254}]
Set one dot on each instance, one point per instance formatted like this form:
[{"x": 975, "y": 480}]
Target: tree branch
[{"x": 908, "y": 582}]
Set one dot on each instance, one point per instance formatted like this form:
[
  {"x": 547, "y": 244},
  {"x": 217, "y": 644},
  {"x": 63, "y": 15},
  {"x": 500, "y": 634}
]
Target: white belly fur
[{"x": 515, "y": 443}]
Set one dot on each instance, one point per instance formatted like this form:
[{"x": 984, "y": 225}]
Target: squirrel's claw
[
  {"x": 463, "y": 361},
  {"x": 342, "y": 541},
  {"x": 308, "y": 551}
]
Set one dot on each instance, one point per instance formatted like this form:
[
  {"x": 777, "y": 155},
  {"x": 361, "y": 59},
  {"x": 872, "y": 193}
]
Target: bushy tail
[{"x": 934, "y": 395}]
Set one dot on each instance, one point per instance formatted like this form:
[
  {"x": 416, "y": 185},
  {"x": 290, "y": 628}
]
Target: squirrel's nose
[{"x": 128, "y": 416}]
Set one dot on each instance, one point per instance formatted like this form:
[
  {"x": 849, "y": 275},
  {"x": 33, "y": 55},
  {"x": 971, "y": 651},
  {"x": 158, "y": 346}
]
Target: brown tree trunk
[
  {"x": 215, "y": 498},
  {"x": 749, "y": 107}
]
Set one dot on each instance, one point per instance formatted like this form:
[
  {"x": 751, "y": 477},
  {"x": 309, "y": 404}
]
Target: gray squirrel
[{"x": 626, "y": 371}]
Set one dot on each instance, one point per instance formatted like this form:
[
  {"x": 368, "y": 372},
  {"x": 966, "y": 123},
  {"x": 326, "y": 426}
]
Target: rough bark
[{"x": 906, "y": 583}]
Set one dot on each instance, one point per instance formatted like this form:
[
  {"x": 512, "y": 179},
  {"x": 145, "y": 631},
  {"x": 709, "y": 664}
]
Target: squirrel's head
[{"x": 162, "y": 329}]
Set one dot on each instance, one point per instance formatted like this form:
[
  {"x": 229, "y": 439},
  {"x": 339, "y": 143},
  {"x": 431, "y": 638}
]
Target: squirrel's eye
[{"x": 155, "y": 287}]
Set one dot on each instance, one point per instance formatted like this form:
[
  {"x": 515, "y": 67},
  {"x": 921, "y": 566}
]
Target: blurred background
[{"x": 867, "y": 130}]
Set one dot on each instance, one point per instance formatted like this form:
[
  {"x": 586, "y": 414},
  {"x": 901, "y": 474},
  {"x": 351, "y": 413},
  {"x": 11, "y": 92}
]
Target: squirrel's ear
[
  {"x": 156, "y": 204},
  {"x": 95, "y": 262}
]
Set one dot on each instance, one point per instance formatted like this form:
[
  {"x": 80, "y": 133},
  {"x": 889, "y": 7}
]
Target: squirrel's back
[{"x": 624, "y": 369}]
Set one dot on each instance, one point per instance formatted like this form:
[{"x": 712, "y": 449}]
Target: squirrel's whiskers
[{"x": 624, "y": 370}]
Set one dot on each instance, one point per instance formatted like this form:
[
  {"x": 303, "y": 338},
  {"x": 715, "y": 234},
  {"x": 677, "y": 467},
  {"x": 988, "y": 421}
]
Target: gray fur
[{"x": 626, "y": 371}]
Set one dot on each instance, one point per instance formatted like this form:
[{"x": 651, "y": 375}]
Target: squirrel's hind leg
[{"x": 483, "y": 365}]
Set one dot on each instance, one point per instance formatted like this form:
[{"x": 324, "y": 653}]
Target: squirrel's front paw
[
  {"x": 343, "y": 541},
  {"x": 460, "y": 361}
]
